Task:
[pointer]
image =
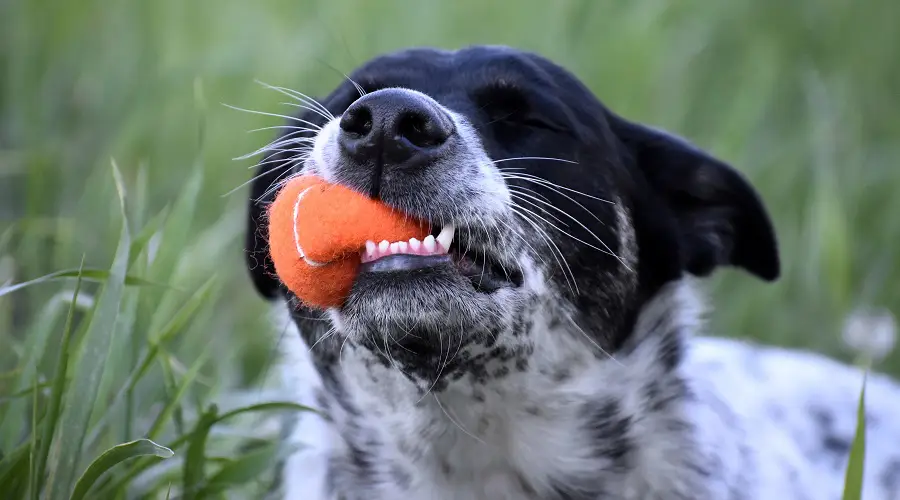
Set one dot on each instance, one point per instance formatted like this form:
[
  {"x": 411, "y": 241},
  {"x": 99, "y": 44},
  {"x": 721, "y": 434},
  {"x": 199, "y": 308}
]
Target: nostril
[
  {"x": 421, "y": 130},
  {"x": 357, "y": 121}
]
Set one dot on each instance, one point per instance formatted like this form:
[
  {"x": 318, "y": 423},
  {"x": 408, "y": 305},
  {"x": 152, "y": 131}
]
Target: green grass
[{"x": 115, "y": 156}]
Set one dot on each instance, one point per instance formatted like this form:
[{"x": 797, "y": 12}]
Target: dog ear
[
  {"x": 256, "y": 246},
  {"x": 275, "y": 165},
  {"x": 719, "y": 215}
]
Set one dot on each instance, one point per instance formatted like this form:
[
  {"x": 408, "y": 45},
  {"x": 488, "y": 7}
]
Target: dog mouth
[{"x": 441, "y": 250}]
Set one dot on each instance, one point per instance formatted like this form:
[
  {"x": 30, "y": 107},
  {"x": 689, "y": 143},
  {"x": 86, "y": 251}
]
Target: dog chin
[{"x": 423, "y": 308}]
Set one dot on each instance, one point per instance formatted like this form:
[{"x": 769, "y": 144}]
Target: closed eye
[
  {"x": 508, "y": 106},
  {"x": 529, "y": 122},
  {"x": 537, "y": 123}
]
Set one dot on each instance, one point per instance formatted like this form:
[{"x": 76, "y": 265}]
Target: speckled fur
[
  {"x": 732, "y": 420},
  {"x": 590, "y": 385}
]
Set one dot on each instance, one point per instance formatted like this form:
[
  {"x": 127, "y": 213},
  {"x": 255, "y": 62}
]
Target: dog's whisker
[
  {"x": 276, "y": 160},
  {"x": 554, "y": 226},
  {"x": 331, "y": 332},
  {"x": 277, "y": 184},
  {"x": 304, "y": 149},
  {"x": 276, "y": 155},
  {"x": 340, "y": 359},
  {"x": 468, "y": 241},
  {"x": 275, "y": 115},
  {"x": 300, "y": 97},
  {"x": 544, "y": 182},
  {"x": 328, "y": 115},
  {"x": 437, "y": 376},
  {"x": 510, "y": 230},
  {"x": 407, "y": 332},
  {"x": 447, "y": 361},
  {"x": 273, "y": 146},
  {"x": 592, "y": 341},
  {"x": 607, "y": 250},
  {"x": 518, "y": 158},
  {"x": 554, "y": 250},
  {"x": 274, "y": 187},
  {"x": 359, "y": 88},
  {"x": 529, "y": 190},
  {"x": 454, "y": 422},
  {"x": 557, "y": 191},
  {"x": 484, "y": 262},
  {"x": 544, "y": 237},
  {"x": 308, "y": 108},
  {"x": 302, "y": 143},
  {"x": 283, "y": 127},
  {"x": 289, "y": 139},
  {"x": 310, "y": 318},
  {"x": 458, "y": 349},
  {"x": 243, "y": 184},
  {"x": 279, "y": 181},
  {"x": 524, "y": 198},
  {"x": 625, "y": 264},
  {"x": 387, "y": 351},
  {"x": 566, "y": 233}
]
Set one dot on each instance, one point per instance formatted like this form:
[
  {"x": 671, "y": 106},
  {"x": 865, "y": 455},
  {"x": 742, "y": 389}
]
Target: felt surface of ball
[{"x": 317, "y": 231}]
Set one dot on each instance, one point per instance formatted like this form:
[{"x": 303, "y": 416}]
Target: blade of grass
[
  {"x": 56, "y": 395},
  {"x": 143, "y": 237},
  {"x": 195, "y": 459},
  {"x": 14, "y": 471},
  {"x": 188, "y": 310},
  {"x": 853, "y": 479},
  {"x": 32, "y": 448},
  {"x": 174, "y": 237},
  {"x": 95, "y": 275},
  {"x": 33, "y": 349},
  {"x": 35, "y": 387},
  {"x": 91, "y": 362},
  {"x": 242, "y": 470},
  {"x": 215, "y": 419},
  {"x": 118, "y": 369},
  {"x": 175, "y": 325},
  {"x": 175, "y": 399},
  {"x": 14, "y": 373},
  {"x": 114, "y": 456},
  {"x": 272, "y": 406}
]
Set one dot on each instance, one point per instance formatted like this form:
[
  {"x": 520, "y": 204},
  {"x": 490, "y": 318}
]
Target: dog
[{"x": 554, "y": 349}]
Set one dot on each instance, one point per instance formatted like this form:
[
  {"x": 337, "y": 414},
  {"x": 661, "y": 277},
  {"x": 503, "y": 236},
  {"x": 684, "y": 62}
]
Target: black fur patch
[{"x": 609, "y": 427}]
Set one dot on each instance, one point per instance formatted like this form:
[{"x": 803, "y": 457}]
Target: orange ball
[{"x": 317, "y": 232}]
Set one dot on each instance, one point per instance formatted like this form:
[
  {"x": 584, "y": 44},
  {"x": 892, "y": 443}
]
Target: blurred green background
[{"x": 802, "y": 96}]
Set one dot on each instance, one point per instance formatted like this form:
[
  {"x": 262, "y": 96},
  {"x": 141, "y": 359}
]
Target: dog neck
[{"x": 572, "y": 425}]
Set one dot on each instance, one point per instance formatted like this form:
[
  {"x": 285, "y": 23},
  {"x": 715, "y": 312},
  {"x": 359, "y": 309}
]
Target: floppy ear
[
  {"x": 720, "y": 217},
  {"x": 256, "y": 245},
  {"x": 274, "y": 166}
]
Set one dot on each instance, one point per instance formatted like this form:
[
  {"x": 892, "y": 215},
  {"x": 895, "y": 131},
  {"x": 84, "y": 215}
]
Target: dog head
[{"x": 557, "y": 207}]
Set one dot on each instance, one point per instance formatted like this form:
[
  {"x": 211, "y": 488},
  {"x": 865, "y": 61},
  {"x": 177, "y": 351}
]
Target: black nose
[{"x": 394, "y": 128}]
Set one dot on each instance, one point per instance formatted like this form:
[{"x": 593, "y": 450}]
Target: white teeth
[
  {"x": 429, "y": 246},
  {"x": 429, "y": 243},
  {"x": 445, "y": 238}
]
